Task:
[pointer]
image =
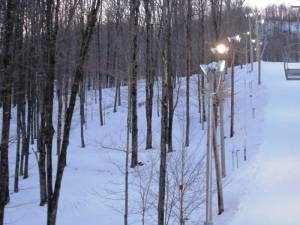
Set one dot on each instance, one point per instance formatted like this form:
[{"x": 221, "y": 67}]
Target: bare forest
[{"x": 136, "y": 64}]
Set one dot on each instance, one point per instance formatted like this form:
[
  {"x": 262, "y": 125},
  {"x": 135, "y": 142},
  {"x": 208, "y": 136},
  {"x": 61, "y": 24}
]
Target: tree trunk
[
  {"x": 20, "y": 95},
  {"x": 188, "y": 71},
  {"x": 53, "y": 199},
  {"x": 59, "y": 115},
  {"x": 100, "y": 99},
  {"x": 17, "y": 166},
  {"x": 82, "y": 120},
  {"x": 170, "y": 77},
  {"x": 99, "y": 58},
  {"x": 166, "y": 15},
  {"x": 116, "y": 94},
  {"x": 27, "y": 138},
  {"x": 6, "y": 97},
  {"x": 42, "y": 161},
  {"x": 23, "y": 132},
  {"x": 134, "y": 17},
  {"x": 149, "y": 74},
  {"x": 51, "y": 25}
]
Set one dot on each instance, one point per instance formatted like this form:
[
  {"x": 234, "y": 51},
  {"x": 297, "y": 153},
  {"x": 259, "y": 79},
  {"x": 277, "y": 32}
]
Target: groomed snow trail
[{"x": 272, "y": 196}]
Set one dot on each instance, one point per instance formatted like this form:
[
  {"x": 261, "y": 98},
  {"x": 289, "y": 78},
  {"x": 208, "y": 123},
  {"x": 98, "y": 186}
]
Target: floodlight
[
  {"x": 238, "y": 38},
  {"x": 221, "y": 49}
]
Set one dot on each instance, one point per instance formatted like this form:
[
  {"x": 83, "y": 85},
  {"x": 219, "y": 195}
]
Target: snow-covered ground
[
  {"x": 93, "y": 183},
  {"x": 272, "y": 192}
]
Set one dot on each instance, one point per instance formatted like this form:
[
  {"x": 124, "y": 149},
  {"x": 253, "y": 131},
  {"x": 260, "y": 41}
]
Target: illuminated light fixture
[
  {"x": 253, "y": 40},
  {"x": 221, "y": 49},
  {"x": 235, "y": 38},
  {"x": 248, "y": 33},
  {"x": 238, "y": 38},
  {"x": 262, "y": 21}
]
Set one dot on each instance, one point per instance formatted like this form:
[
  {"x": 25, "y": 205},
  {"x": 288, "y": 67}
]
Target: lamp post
[
  {"x": 233, "y": 40},
  {"x": 247, "y": 34},
  {"x": 258, "y": 46},
  {"x": 250, "y": 36},
  {"x": 210, "y": 72}
]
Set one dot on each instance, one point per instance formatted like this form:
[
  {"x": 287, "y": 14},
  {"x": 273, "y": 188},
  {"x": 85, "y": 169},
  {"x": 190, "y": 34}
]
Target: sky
[{"x": 263, "y": 3}]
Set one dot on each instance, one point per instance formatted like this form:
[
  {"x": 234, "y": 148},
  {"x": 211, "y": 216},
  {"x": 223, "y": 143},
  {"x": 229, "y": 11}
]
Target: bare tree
[
  {"x": 188, "y": 71},
  {"x": 134, "y": 19},
  {"x": 6, "y": 99},
  {"x": 54, "y": 197},
  {"x": 149, "y": 72},
  {"x": 166, "y": 17}
]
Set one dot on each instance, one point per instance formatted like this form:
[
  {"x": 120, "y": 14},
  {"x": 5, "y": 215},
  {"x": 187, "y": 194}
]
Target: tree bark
[
  {"x": 59, "y": 115},
  {"x": 53, "y": 199},
  {"x": 99, "y": 60},
  {"x": 20, "y": 94},
  {"x": 134, "y": 17},
  {"x": 149, "y": 74},
  {"x": 6, "y": 97},
  {"x": 188, "y": 71},
  {"x": 82, "y": 120},
  {"x": 170, "y": 79},
  {"x": 166, "y": 16}
]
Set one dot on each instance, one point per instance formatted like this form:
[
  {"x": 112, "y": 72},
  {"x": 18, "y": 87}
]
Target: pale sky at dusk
[{"x": 263, "y": 3}]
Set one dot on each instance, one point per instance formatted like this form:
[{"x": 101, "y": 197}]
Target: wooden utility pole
[
  {"x": 232, "y": 93},
  {"x": 251, "y": 43},
  {"x": 214, "y": 74},
  {"x": 222, "y": 141},
  {"x": 210, "y": 117},
  {"x": 258, "y": 45},
  {"x": 246, "y": 49}
]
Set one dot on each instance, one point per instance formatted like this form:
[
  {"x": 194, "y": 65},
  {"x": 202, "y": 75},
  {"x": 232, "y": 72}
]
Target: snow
[
  {"x": 292, "y": 65},
  {"x": 259, "y": 191},
  {"x": 272, "y": 194}
]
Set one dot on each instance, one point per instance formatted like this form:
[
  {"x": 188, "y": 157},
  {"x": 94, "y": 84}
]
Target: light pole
[
  {"x": 258, "y": 46},
  {"x": 251, "y": 43},
  {"x": 233, "y": 40},
  {"x": 246, "y": 48},
  {"x": 210, "y": 72}
]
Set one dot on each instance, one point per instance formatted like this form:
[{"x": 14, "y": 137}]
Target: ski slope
[
  {"x": 93, "y": 183},
  {"x": 271, "y": 195}
]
